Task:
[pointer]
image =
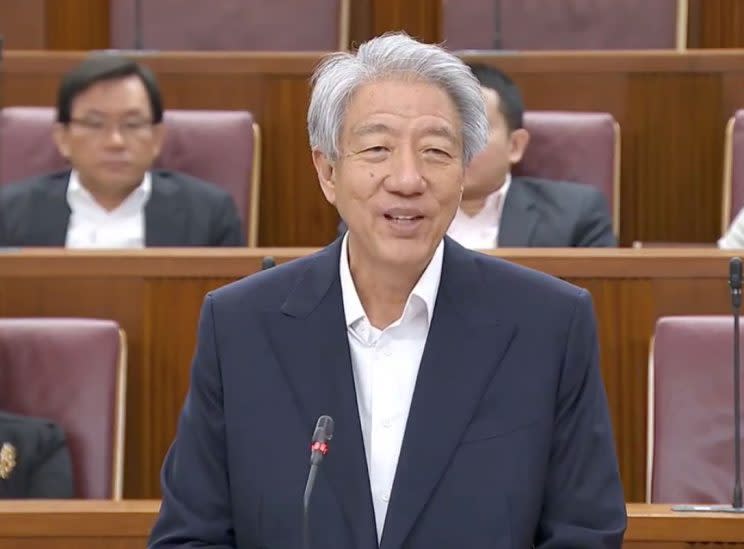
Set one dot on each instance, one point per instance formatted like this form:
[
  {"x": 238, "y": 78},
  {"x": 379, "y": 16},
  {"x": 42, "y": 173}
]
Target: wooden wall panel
[
  {"x": 77, "y": 24},
  {"x": 22, "y": 24},
  {"x": 420, "y": 18},
  {"x": 674, "y": 132},
  {"x": 715, "y": 24},
  {"x": 173, "y": 306}
]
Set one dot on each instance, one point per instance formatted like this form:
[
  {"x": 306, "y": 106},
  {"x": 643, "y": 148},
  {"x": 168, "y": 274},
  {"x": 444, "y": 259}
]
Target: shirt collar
[
  {"x": 76, "y": 191},
  {"x": 426, "y": 288}
]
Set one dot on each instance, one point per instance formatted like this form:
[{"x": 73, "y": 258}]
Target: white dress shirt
[
  {"x": 385, "y": 365},
  {"x": 734, "y": 237},
  {"x": 92, "y": 226},
  {"x": 481, "y": 231}
]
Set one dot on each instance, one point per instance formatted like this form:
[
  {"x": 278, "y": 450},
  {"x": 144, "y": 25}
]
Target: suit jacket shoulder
[
  {"x": 186, "y": 211},
  {"x": 34, "y": 459},
  {"x": 34, "y": 211},
  {"x": 544, "y": 213}
]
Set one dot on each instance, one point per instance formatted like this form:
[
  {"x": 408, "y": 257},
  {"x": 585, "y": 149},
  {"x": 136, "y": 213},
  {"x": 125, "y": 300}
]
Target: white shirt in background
[
  {"x": 481, "y": 232},
  {"x": 92, "y": 226}
]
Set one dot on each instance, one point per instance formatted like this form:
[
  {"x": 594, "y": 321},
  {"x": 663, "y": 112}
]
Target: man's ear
[
  {"x": 158, "y": 137},
  {"x": 518, "y": 141},
  {"x": 59, "y": 134},
  {"x": 325, "y": 168}
]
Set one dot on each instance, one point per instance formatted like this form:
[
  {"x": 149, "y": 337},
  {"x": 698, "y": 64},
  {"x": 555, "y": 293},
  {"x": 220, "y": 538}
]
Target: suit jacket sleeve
[
  {"x": 195, "y": 509},
  {"x": 228, "y": 229},
  {"x": 51, "y": 476},
  {"x": 595, "y": 223},
  {"x": 583, "y": 505}
]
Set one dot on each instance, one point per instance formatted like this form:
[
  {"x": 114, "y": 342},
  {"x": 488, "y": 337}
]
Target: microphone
[
  {"x": 735, "y": 280},
  {"x": 267, "y": 263},
  {"x": 318, "y": 449},
  {"x": 139, "y": 42}
]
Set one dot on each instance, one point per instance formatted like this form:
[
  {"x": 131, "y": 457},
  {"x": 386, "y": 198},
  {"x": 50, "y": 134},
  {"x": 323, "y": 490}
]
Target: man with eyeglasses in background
[{"x": 109, "y": 126}]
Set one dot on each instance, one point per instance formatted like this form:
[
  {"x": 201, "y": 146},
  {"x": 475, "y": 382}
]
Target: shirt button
[
  {"x": 387, "y": 352},
  {"x": 386, "y": 497},
  {"x": 387, "y": 424}
]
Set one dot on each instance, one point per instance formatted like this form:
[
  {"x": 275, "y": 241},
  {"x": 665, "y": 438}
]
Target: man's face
[
  {"x": 110, "y": 139},
  {"x": 488, "y": 169},
  {"x": 398, "y": 179}
]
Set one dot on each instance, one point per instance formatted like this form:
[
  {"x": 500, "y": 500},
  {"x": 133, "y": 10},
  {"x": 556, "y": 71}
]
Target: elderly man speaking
[{"x": 468, "y": 404}]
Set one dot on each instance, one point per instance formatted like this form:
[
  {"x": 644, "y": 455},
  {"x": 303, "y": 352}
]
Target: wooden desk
[
  {"x": 81, "y": 524},
  {"x": 156, "y": 295},
  {"x": 672, "y": 108},
  {"x": 657, "y": 526},
  {"x": 127, "y": 524}
]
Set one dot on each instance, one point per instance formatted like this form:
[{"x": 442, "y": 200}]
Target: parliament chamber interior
[{"x": 622, "y": 174}]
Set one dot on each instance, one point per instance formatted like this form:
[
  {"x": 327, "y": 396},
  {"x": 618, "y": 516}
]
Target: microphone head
[
  {"x": 735, "y": 273},
  {"x": 323, "y": 429},
  {"x": 267, "y": 263}
]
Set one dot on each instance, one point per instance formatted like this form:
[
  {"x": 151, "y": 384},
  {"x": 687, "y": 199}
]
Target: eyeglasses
[{"x": 128, "y": 129}]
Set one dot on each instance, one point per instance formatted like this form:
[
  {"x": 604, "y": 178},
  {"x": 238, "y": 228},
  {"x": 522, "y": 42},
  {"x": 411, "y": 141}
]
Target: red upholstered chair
[
  {"x": 690, "y": 411},
  {"x": 575, "y": 146},
  {"x": 279, "y": 25},
  {"x": 222, "y": 147},
  {"x": 73, "y": 372},
  {"x": 565, "y": 24}
]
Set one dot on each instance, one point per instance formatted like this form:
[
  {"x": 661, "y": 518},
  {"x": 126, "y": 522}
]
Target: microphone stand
[{"x": 736, "y": 283}]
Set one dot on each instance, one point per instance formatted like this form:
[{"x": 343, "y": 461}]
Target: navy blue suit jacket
[{"x": 508, "y": 441}]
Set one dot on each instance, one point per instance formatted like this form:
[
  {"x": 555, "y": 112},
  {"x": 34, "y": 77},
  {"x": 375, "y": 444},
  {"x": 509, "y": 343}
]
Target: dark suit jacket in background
[
  {"x": 181, "y": 211},
  {"x": 539, "y": 213},
  {"x": 508, "y": 441},
  {"x": 43, "y": 468}
]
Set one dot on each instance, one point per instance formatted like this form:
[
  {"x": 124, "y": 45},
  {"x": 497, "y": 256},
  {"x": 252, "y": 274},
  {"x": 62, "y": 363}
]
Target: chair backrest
[
  {"x": 222, "y": 147},
  {"x": 690, "y": 411},
  {"x": 583, "y": 147},
  {"x": 733, "y": 170},
  {"x": 565, "y": 24},
  {"x": 72, "y": 372},
  {"x": 279, "y": 25}
]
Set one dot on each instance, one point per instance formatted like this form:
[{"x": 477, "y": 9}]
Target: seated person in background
[
  {"x": 498, "y": 210},
  {"x": 34, "y": 460},
  {"x": 734, "y": 237},
  {"x": 109, "y": 126}
]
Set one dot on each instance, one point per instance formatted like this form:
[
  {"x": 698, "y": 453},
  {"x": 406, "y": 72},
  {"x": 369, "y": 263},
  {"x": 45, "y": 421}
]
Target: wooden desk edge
[
  {"x": 238, "y": 262},
  {"x": 133, "y": 518}
]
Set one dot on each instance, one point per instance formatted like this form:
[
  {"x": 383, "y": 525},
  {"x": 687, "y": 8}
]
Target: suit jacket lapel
[
  {"x": 51, "y": 213},
  {"x": 518, "y": 218},
  {"x": 165, "y": 214},
  {"x": 465, "y": 344},
  {"x": 318, "y": 366}
]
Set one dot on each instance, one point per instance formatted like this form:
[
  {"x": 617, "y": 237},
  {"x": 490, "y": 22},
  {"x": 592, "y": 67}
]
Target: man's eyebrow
[
  {"x": 441, "y": 131},
  {"x": 374, "y": 127}
]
